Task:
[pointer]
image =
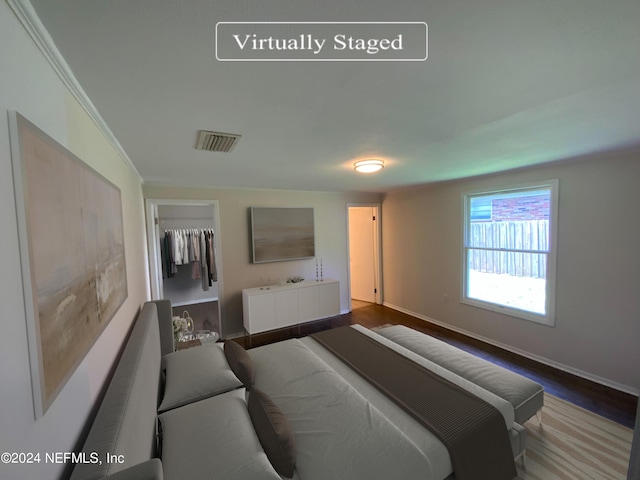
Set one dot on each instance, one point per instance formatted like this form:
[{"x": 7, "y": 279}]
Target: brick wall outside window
[{"x": 522, "y": 208}]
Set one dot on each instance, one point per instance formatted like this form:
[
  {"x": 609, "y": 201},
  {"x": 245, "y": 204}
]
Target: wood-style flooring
[{"x": 610, "y": 403}]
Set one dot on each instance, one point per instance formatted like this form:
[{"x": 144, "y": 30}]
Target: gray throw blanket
[{"x": 473, "y": 431}]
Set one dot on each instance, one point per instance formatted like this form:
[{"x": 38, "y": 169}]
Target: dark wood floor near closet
[{"x": 613, "y": 404}]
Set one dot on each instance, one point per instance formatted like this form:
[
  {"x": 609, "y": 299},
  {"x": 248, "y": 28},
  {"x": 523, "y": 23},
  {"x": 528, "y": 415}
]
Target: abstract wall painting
[
  {"x": 72, "y": 254},
  {"x": 280, "y": 234}
]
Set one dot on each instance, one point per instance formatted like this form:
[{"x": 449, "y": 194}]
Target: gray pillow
[
  {"x": 213, "y": 438},
  {"x": 274, "y": 432},
  {"x": 195, "y": 374},
  {"x": 240, "y": 363}
]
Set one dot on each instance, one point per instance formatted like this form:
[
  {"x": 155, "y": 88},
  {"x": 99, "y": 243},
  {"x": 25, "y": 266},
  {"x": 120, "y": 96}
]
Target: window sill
[{"x": 547, "y": 320}]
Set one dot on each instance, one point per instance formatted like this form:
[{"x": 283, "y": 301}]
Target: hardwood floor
[{"x": 613, "y": 404}]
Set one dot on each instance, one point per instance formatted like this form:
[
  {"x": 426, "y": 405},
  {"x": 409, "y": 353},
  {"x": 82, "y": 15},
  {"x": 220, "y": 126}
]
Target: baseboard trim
[{"x": 523, "y": 353}]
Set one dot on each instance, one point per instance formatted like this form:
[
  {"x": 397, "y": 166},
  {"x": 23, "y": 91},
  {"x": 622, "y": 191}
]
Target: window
[{"x": 509, "y": 251}]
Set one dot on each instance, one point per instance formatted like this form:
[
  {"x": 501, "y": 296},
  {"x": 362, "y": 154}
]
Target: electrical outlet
[{"x": 445, "y": 298}]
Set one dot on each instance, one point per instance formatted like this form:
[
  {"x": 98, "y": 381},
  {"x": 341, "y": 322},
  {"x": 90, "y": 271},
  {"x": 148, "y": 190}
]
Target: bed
[
  {"x": 343, "y": 426},
  {"x": 221, "y": 415}
]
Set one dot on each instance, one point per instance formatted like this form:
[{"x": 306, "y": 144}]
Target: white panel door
[{"x": 362, "y": 253}]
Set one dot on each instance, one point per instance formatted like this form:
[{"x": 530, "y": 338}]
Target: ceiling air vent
[{"x": 216, "y": 141}]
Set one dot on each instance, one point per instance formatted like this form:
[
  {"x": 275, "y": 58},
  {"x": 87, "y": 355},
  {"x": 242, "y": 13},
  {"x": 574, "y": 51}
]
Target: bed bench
[{"x": 526, "y": 396}]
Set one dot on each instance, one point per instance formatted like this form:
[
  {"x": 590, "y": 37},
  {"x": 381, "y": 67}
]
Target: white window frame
[{"x": 549, "y": 317}]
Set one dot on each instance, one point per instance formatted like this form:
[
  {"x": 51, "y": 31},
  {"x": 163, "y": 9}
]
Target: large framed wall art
[
  {"x": 280, "y": 234},
  {"x": 72, "y": 255}
]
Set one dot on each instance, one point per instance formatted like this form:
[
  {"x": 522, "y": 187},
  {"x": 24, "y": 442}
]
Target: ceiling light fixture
[{"x": 368, "y": 166}]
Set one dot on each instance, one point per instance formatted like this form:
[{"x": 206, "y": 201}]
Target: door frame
[
  {"x": 377, "y": 246},
  {"x": 153, "y": 243}
]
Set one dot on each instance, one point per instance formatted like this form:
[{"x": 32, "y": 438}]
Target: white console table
[{"x": 277, "y": 306}]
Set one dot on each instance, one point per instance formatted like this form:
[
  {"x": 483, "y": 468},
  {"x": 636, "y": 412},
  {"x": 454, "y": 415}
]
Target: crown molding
[{"x": 31, "y": 22}]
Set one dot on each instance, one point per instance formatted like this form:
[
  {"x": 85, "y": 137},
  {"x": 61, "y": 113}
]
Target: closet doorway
[
  {"x": 364, "y": 254},
  {"x": 190, "y": 288}
]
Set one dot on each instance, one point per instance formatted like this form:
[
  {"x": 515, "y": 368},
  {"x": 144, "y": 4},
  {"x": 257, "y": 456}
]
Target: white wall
[
  {"x": 29, "y": 85},
  {"x": 330, "y": 210},
  {"x": 598, "y": 270}
]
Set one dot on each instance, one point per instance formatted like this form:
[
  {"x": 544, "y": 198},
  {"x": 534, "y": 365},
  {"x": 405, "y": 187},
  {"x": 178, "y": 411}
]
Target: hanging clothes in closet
[{"x": 190, "y": 246}]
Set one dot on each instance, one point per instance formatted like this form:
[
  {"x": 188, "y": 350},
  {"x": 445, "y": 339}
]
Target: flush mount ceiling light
[{"x": 368, "y": 166}]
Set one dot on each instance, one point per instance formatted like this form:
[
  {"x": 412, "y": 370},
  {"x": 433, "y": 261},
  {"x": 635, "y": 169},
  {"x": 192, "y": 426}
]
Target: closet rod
[
  {"x": 206, "y": 229},
  {"x": 184, "y": 219}
]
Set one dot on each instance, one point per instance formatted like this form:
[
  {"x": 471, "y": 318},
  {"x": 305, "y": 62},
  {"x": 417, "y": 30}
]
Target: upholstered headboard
[{"x": 125, "y": 425}]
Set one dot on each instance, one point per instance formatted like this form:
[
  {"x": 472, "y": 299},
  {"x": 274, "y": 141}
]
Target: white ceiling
[{"x": 508, "y": 83}]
